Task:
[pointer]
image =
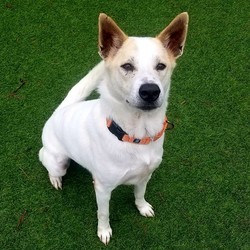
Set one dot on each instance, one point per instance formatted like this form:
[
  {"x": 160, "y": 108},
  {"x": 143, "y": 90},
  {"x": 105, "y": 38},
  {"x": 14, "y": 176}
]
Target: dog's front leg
[
  {"x": 143, "y": 206},
  {"x": 103, "y": 195}
]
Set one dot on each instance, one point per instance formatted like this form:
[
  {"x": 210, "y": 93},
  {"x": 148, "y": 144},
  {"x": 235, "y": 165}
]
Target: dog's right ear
[{"x": 111, "y": 37}]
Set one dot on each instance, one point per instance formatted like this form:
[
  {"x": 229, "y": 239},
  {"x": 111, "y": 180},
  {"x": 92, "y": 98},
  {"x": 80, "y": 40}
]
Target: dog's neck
[{"x": 134, "y": 121}]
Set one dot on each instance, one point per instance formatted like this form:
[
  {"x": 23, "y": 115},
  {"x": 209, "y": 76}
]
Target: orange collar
[{"x": 116, "y": 130}]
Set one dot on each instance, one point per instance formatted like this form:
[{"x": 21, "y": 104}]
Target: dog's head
[{"x": 140, "y": 68}]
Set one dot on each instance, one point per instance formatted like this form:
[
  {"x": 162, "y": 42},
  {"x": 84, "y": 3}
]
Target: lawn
[{"x": 201, "y": 191}]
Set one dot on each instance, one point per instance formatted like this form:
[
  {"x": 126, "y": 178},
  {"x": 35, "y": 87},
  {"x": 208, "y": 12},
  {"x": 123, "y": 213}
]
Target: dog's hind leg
[
  {"x": 143, "y": 206},
  {"x": 56, "y": 165}
]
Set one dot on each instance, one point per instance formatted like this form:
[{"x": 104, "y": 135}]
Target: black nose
[{"x": 149, "y": 92}]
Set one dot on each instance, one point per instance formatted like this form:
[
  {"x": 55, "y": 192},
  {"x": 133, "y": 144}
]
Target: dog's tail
[{"x": 85, "y": 86}]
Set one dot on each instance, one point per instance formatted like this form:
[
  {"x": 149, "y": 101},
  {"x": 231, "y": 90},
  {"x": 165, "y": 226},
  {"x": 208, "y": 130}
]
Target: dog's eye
[
  {"x": 128, "y": 67},
  {"x": 160, "y": 66}
]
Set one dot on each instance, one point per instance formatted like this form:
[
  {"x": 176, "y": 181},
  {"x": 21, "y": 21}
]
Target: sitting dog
[{"x": 119, "y": 137}]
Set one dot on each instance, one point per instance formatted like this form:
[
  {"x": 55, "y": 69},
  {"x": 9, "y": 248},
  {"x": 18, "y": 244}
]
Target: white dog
[{"x": 118, "y": 137}]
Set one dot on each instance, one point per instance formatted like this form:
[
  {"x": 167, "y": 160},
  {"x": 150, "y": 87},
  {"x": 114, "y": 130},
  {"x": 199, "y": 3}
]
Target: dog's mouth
[
  {"x": 145, "y": 106},
  {"x": 148, "y": 107}
]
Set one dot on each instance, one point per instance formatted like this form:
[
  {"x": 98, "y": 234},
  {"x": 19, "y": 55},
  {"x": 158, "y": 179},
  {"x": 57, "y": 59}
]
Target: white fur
[{"x": 77, "y": 129}]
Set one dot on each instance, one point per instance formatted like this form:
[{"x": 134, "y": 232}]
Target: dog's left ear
[
  {"x": 111, "y": 37},
  {"x": 173, "y": 37}
]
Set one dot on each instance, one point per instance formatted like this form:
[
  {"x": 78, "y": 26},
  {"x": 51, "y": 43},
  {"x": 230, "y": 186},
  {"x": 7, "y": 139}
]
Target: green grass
[{"x": 200, "y": 192}]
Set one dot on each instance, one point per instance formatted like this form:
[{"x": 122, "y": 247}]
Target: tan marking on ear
[
  {"x": 173, "y": 37},
  {"x": 111, "y": 37}
]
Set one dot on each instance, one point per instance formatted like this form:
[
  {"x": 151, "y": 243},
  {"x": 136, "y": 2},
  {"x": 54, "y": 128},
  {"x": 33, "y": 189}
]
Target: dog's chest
[{"x": 141, "y": 167}]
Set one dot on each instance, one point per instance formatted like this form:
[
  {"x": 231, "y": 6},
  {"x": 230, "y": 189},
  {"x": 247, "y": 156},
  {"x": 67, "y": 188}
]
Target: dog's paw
[
  {"x": 146, "y": 210},
  {"x": 56, "y": 182},
  {"x": 104, "y": 235}
]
